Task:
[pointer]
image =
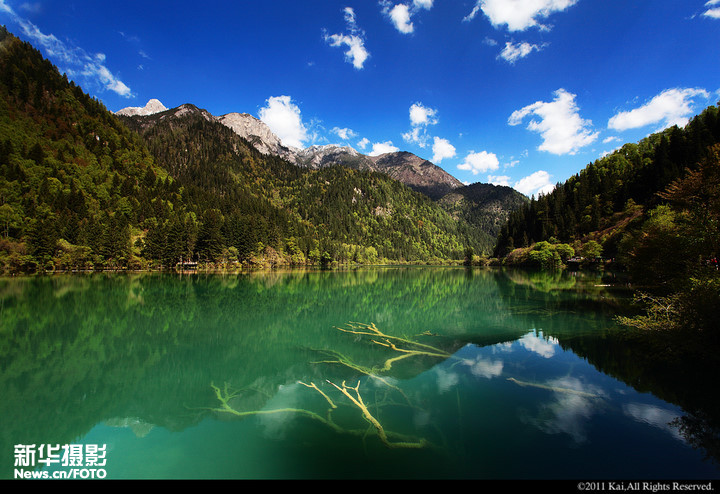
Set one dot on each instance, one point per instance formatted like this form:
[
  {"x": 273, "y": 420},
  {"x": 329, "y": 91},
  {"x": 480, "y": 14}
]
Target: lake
[{"x": 398, "y": 372}]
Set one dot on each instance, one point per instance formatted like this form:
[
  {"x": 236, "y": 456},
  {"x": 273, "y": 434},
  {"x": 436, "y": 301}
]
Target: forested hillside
[
  {"x": 331, "y": 213},
  {"x": 75, "y": 184},
  {"x": 485, "y": 206},
  {"x": 80, "y": 189},
  {"x": 611, "y": 196}
]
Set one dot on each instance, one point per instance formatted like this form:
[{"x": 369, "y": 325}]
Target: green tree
[
  {"x": 9, "y": 218},
  {"x": 591, "y": 250}
]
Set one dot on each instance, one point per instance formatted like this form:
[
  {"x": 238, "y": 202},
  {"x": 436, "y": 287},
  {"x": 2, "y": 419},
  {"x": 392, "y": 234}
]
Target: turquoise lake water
[{"x": 466, "y": 373}]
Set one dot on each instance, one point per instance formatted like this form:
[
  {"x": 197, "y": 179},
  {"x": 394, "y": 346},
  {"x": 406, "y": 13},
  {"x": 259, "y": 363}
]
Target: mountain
[
  {"x": 484, "y": 206},
  {"x": 419, "y": 174},
  {"x": 481, "y": 212},
  {"x": 303, "y": 213}
]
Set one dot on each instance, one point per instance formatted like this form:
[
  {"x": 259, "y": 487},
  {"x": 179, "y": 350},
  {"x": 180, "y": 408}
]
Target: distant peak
[{"x": 153, "y": 106}]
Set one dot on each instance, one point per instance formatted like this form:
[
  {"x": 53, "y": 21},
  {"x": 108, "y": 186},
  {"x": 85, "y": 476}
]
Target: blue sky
[{"x": 523, "y": 93}]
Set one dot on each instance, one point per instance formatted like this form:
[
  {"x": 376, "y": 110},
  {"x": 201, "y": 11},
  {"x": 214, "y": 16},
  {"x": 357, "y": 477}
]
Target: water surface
[{"x": 520, "y": 375}]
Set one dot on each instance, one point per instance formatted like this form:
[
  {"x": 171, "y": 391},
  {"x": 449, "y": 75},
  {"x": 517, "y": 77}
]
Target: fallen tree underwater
[{"x": 352, "y": 395}]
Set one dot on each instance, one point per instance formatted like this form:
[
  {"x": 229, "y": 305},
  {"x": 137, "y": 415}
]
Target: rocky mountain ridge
[{"x": 415, "y": 172}]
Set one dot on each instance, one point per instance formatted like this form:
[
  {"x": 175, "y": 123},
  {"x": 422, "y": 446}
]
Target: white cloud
[
  {"x": 712, "y": 12},
  {"x": 535, "y": 184},
  {"x": 442, "y": 149},
  {"x": 363, "y": 143},
  {"x": 423, "y": 4},
  {"x": 417, "y": 135},
  {"x": 356, "y": 53},
  {"x": 473, "y": 13},
  {"x": 383, "y": 147},
  {"x": 499, "y": 180},
  {"x": 671, "y": 107},
  {"x": 560, "y": 125},
  {"x": 401, "y": 14},
  {"x": 70, "y": 59},
  {"x": 284, "y": 119},
  {"x": 422, "y": 115},
  {"x": 519, "y": 15},
  {"x": 400, "y": 17},
  {"x": 481, "y": 162},
  {"x": 344, "y": 134},
  {"x": 420, "y": 118},
  {"x": 515, "y": 51}
]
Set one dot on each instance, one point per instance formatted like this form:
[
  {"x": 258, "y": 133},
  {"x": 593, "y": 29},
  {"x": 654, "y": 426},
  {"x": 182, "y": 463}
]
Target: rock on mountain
[
  {"x": 417, "y": 173},
  {"x": 257, "y": 133},
  {"x": 316, "y": 157},
  {"x": 153, "y": 106}
]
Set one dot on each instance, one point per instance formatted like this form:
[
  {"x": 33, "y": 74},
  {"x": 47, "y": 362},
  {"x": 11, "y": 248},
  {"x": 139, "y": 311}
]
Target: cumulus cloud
[
  {"x": 383, "y": 147},
  {"x": 712, "y": 12},
  {"x": 481, "y": 162},
  {"x": 535, "y": 184},
  {"x": 88, "y": 69},
  {"x": 519, "y": 15},
  {"x": 442, "y": 149},
  {"x": 344, "y": 134},
  {"x": 354, "y": 40},
  {"x": 400, "y": 17},
  {"x": 422, "y": 115},
  {"x": 515, "y": 51},
  {"x": 420, "y": 118},
  {"x": 671, "y": 107},
  {"x": 401, "y": 14},
  {"x": 560, "y": 125},
  {"x": 284, "y": 119},
  {"x": 363, "y": 143}
]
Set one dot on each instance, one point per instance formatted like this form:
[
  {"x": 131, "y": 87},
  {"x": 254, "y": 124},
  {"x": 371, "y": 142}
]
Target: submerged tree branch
[{"x": 405, "y": 347}]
